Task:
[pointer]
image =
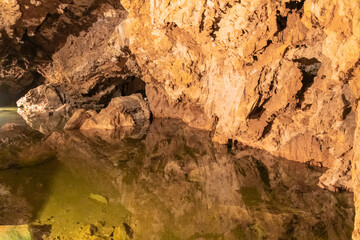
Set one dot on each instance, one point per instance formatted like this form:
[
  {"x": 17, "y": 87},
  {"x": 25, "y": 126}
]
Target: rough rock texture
[
  {"x": 126, "y": 111},
  {"x": 79, "y": 44},
  {"x": 78, "y": 119},
  {"x": 356, "y": 176},
  {"x": 277, "y": 75},
  {"x": 44, "y": 122},
  {"x": 41, "y": 99},
  {"x": 271, "y": 74}
]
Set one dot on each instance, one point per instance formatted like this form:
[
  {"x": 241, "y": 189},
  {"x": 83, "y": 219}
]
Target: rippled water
[{"x": 164, "y": 181}]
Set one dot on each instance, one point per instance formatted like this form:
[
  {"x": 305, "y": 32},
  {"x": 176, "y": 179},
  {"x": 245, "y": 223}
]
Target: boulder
[
  {"x": 127, "y": 111},
  {"x": 41, "y": 99},
  {"x": 78, "y": 119}
]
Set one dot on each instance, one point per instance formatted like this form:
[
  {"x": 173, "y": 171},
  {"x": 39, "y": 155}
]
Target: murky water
[
  {"x": 165, "y": 181},
  {"x": 9, "y": 115}
]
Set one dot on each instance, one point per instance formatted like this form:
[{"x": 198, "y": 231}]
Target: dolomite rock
[
  {"x": 92, "y": 67},
  {"x": 126, "y": 111},
  {"x": 44, "y": 122}
]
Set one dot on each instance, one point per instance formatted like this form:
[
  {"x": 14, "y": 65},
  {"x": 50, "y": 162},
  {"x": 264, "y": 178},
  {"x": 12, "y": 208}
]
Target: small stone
[
  {"x": 90, "y": 229},
  {"x": 197, "y": 175},
  {"x": 99, "y": 198}
]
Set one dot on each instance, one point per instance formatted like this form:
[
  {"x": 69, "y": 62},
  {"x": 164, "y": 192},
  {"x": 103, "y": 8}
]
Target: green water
[
  {"x": 167, "y": 181},
  {"x": 9, "y": 115}
]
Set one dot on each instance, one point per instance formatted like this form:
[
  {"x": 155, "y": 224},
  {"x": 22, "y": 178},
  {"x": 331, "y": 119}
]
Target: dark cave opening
[{"x": 10, "y": 94}]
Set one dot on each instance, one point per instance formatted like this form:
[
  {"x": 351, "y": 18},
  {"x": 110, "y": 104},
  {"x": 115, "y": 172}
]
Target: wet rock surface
[
  {"x": 46, "y": 123},
  {"x": 273, "y": 75}
]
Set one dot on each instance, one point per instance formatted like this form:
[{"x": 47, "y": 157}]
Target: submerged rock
[
  {"x": 99, "y": 198},
  {"x": 44, "y": 122}
]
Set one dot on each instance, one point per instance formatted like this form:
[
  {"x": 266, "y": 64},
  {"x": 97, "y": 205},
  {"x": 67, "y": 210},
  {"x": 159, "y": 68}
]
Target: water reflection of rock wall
[
  {"x": 21, "y": 146},
  {"x": 179, "y": 185}
]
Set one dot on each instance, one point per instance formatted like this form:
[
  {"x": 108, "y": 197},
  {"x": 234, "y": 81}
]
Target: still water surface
[{"x": 164, "y": 181}]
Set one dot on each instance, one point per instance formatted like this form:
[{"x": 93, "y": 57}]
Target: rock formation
[
  {"x": 277, "y": 75},
  {"x": 78, "y": 46},
  {"x": 122, "y": 112},
  {"x": 273, "y": 75},
  {"x": 129, "y": 111},
  {"x": 42, "y": 99}
]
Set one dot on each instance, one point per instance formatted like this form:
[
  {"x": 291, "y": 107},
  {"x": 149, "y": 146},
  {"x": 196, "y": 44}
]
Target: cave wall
[
  {"x": 277, "y": 75},
  {"x": 76, "y": 47}
]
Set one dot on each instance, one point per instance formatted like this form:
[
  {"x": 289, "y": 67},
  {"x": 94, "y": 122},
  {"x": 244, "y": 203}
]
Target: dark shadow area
[
  {"x": 116, "y": 87},
  {"x": 281, "y": 22},
  {"x": 32, "y": 46},
  {"x": 26, "y": 175},
  {"x": 309, "y": 69},
  {"x": 19, "y": 75},
  {"x": 295, "y": 4},
  {"x": 26, "y": 191}
]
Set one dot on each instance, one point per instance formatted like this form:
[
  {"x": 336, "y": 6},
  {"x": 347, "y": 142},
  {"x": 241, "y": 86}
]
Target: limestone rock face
[
  {"x": 356, "y": 176},
  {"x": 282, "y": 76},
  {"x": 126, "y": 111},
  {"x": 271, "y": 74},
  {"x": 79, "y": 44}
]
